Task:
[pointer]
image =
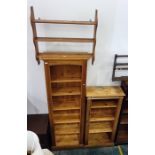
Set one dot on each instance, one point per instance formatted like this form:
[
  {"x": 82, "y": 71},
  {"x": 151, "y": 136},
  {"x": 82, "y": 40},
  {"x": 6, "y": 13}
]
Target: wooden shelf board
[
  {"x": 103, "y": 104},
  {"x": 104, "y": 92},
  {"x": 102, "y": 112},
  {"x": 67, "y": 121},
  {"x": 67, "y": 140},
  {"x": 100, "y": 127},
  {"x": 65, "y": 22},
  {"x": 66, "y": 80},
  {"x": 110, "y": 118},
  {"x": 66, "y": 118},
  {"x": 67, "y": 91},
  {"x": 64, "y": 56},
  {"x": 55, "y": 39},
  {"x": 99, "y": 139},
  {"x": 69, "y": 107},
  {"x": 67, "y": 129},
  {"x": 96, "y": 107}
]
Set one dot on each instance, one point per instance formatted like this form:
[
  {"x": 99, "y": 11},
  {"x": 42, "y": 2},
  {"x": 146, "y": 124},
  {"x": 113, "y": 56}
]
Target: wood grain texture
[
  {"x": 100, "y": 127},
  {"x": 67, "y": 140},
  {"x": 99, "y": 139},
  {"x": 104, "y": 92},
  {"x": 55, "y": 39},
  {"x": 64, "y": 22},
  {"x": 64, "y": 56},
  {"x": 63, "y": 129}
]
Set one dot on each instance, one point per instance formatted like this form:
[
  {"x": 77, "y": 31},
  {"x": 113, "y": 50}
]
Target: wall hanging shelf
[
  {"x": 70, "y": 55},
  {"x": 121, "y": 66},
  {"x": 65, "y": 74}
]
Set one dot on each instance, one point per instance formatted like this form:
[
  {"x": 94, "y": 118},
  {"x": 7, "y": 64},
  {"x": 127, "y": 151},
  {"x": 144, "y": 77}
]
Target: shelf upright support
[
  {"x": 94, "y": 36},
  {"x": 34, "y": 30}
]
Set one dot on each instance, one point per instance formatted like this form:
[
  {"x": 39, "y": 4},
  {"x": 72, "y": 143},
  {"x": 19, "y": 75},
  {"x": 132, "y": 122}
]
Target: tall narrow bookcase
[
  {"x": 102, "y": 114},
  {"x": 65, "y": 82},
  {"x": 65, "y": 74}
]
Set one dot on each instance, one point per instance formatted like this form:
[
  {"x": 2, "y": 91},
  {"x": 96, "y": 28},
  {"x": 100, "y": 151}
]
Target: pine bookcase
[{"x": 102, "y": 114}]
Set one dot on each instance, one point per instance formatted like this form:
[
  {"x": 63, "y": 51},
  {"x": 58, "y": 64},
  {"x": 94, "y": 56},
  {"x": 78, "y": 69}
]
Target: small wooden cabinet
[{"x": 102, "y": 113}]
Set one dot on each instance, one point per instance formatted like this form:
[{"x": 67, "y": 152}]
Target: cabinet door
[{"x": 66, "y": 90}]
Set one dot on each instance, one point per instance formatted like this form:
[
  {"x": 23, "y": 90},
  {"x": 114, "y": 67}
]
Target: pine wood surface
[
  {"x": 99, "y": 139},
  {"x": 100, "y": 127},
  {"x": 67, "y": 140},
  {"x": 104, "y": 91},
  {"x": 63, "y": 129},
  {"x": 104, "y": 104},
  {"x": 63, "y": 56},
  {"x": 64, "y": 22}
]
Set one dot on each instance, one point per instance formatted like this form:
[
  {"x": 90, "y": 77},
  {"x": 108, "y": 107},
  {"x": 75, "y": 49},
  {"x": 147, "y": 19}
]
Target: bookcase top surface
[
  {"x": 64, "y": 56},
  {"x": 104, "y": 91}
]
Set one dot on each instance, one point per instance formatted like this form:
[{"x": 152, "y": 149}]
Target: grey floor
[{"x": 95, "y": 151}]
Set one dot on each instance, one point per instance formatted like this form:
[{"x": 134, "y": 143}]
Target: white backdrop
[{"x": 112, "y": 37}]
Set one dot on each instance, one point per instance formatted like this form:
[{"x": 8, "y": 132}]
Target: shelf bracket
[{"x": 95, "y": 31}]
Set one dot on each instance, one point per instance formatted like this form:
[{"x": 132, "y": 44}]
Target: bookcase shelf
[
  {"x": 99, "y": 119},
  {"x": 66, "y": 103},
  {"x": 100, "y": 127},
  {"x": 66, "y": 107},
  {"x": 63, "y": 129},
  {"x": 67, "y": 140},
  {"x": 104, "y": 104},
  {"x": 66, "y": 80},
  {"x": 99, "y": 139},
  {"x": 68, "y": 91},
  {"x": 72, "y": 116}
]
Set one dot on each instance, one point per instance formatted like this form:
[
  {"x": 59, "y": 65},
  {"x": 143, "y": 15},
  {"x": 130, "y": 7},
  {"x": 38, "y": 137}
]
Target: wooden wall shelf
[
  {"x": 45, "y": 56},
  {"x": 120, "y": 66}
]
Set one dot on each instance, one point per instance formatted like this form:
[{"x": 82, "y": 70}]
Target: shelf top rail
[
  {"x": 46, "y": 21},
  {"x": 37, "y": 39}
]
